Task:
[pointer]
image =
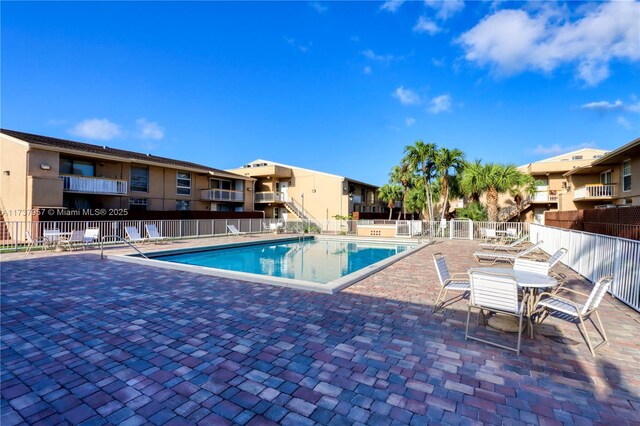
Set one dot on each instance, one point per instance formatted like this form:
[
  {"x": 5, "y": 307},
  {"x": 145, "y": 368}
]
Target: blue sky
[{"x": 340, "y": 87}]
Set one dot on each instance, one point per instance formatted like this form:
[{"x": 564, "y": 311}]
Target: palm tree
[
  {"x": 499, "y": 178},
  {"x": 445, "y": 160},
  {"x": 390, "y": 194},
  {"x": 404, "y": 176},
  {"x": 420, "y": 156},
  {"x": 472, "y": 179}
]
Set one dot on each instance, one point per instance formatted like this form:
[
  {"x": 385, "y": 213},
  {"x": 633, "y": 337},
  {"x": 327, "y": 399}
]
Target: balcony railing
[
  {"x": 600, "y": 191},
  {"x": 92, "y": 185},
  {"x": 544, "y": 196},
  {"x": 269, "y": 197},
  {"x": 221, "y": 195}
]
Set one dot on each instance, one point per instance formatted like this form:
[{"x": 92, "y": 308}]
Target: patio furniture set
[
  {"x": 527, "y": 293},
  {"x": 54, "y": 239}
]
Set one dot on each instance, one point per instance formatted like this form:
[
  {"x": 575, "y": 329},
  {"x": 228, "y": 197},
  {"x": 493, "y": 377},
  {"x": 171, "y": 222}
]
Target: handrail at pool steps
[{"x": 118, "y": 238}]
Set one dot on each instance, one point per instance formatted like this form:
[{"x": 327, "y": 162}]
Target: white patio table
[
  {"x": 53, "y": 236},
  {"x": 527, "y": 281}
]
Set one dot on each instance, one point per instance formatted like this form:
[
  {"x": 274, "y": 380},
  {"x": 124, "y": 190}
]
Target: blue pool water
[{"x": 319, "y": 261}]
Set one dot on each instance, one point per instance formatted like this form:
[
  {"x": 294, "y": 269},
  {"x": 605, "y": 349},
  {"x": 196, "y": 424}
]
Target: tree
[
  {"x": 390, "y": 193},
  {"x": 499, "y": 178},
  {"x": 472, "y": 180},
  {"x": 445, "y": 161},
  {"x": 404, "y": 176},
  {"x": 421, "y": 156},
  {"x": 474, "y": 211}
]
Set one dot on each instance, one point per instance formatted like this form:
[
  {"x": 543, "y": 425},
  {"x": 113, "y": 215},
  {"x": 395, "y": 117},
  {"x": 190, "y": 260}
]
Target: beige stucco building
[
  {"x": 613, "y": 179},
  {"x": 39, "y": 171},
  {"x": 551, "y": 183},
  {"x": 288, "y": 192}
]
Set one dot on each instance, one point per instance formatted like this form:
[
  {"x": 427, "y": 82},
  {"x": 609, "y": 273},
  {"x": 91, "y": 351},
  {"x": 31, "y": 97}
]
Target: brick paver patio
[{"x": 90, "y": 341}]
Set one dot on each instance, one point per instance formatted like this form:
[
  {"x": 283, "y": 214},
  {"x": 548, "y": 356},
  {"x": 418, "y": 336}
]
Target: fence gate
[{"x": 461, "y": 229}]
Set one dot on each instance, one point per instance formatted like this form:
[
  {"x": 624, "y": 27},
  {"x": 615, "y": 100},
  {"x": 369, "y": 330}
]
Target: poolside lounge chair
[
  {"x": 496, "y": 293},
  {"x": 133, "y": 236},
  {"x": 76, "y": 238},
  {"x": 231, "y": 229},
  {"x": 569, "y": 310},
  {"x": 35, "y": 241},
  {"x": 153, "y": 234},
  {"x": 91, "y": 235},
  {"x": 455, "y": 282},
  {"x": 513, "y": 246},
  {"x": 493, "y": 257}
]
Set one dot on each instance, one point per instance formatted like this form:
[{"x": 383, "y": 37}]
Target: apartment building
[
  {"x": 551, "y": 184},
  {"x": 610, "y": 180},
  {"x": 288, "y": 192},
  {"x": 40, "y": 171}
]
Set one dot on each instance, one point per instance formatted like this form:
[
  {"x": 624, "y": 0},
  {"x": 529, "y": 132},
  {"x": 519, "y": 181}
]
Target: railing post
[
  {"x": 471, "y": 230},
  {"x": 451, "y": 230},
  {"x": 15, "y": 235}
]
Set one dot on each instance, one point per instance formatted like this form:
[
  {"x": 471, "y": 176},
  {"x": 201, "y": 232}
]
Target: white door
[{"x": 284, "y": 190}]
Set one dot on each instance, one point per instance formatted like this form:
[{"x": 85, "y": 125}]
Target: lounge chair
[
  {"x": 493, "y": 257},
  {"x": 569, "y": 310},
  {"x": 91, "y": 235},
  {"x": 153, "y": 234},
  {"x": 76, "y": 238},
  {"x": 35, "y": 242},
  {"x": 133, "y": 236},
  {"x": 455, "y": 282},
  {"x": 513, "y": 246},
  {"x": 496, "y": 293},
  {"x": 231, "y": 229}
]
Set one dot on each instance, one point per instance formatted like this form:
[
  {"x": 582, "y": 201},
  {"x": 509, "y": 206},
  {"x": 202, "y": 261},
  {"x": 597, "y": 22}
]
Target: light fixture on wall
[
  {"x": 6, "y": 172},
  {"x": 44, "y": 166}
]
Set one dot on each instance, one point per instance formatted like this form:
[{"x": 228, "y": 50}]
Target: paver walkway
[{"x": 90, "y": 341}]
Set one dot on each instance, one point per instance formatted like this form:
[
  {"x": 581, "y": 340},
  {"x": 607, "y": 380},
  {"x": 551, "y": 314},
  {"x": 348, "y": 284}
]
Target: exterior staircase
[
  {"x": 510, "y": 213},
  {"x": 296, "y": 208}
]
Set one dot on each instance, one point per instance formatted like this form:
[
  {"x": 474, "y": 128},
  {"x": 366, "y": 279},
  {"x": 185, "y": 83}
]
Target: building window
[
  {"x": 184, "y": 183},
  {"x": 138, "y": 204},
  {"x": 577, "y": 157},
  {"x": 605, "y": 177},
  {"x": 139, "y": 179},
  {"x": 626, "y": 175},
  {"x": 70, "y": 166},
  {"x": 276, "y": 213},
  {"x": 183, "y": 205},
  {"x": 220, "y": 184}
]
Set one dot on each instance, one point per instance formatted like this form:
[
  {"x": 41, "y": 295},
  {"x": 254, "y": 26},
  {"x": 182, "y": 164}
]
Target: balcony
[
  {"x": 221, "y": 195},
  {"x": 92, "y": 185},
  {"x": 269, "y": 197},
  {"x": 545, "y": 197},
  {"x": 595, "y": 192}
]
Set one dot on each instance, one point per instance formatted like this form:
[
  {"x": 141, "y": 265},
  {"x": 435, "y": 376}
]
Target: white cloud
[
  {"x": 367, "y": 70},
  {"x": 391, "y": 5},
  {"x": 445, "y": 8},
  {"x": 149, "y": 129},
  {"x": 603, "y": 105},
  {"x": 409, "y": 121},
  {"x": 95, "y": 128},
  {"x": 406, "y": 96},
  {"x": 557, "y": 149},
  {"x": 440, "y": 104},
  {"x": 514, "y": 41},
  {"x": 370, "y": 54},
  {"x": 624, "y": 122},
  {"x": 304, "y": 48},
  {"x": 315, "y": 5},
  {"x": 425, "y": 26}
]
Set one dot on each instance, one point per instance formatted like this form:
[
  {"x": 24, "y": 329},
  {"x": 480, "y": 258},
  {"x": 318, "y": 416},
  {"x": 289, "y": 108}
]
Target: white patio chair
[
  {"x": 76, "y": 238},
  {"x": 31, "y": 242},
  {"x": 512, "y": 246},
  {"x": 568, "y": 310},
  {"x": 153, "y": 234},
  {"x": 489, "y": 234},
  {"x": 133, "y": 236},
  {"x": 493, "y": 257},
  {"x": 496, "y": 293},
  {"x": 91, "y": 235},
  {"x": 231, "y": 229},
  {"x": 531, "y": 266},
  {"x": 455, "y": 282}
]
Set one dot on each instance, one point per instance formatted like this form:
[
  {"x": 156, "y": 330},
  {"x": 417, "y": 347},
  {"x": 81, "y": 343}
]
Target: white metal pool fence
[
  {"x": 591, "y": 255},
  {"x": 594, "y": 256}
]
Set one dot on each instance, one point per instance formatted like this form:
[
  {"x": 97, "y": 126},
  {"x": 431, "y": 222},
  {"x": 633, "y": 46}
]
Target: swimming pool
[{"x": 320, "y": 264}]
